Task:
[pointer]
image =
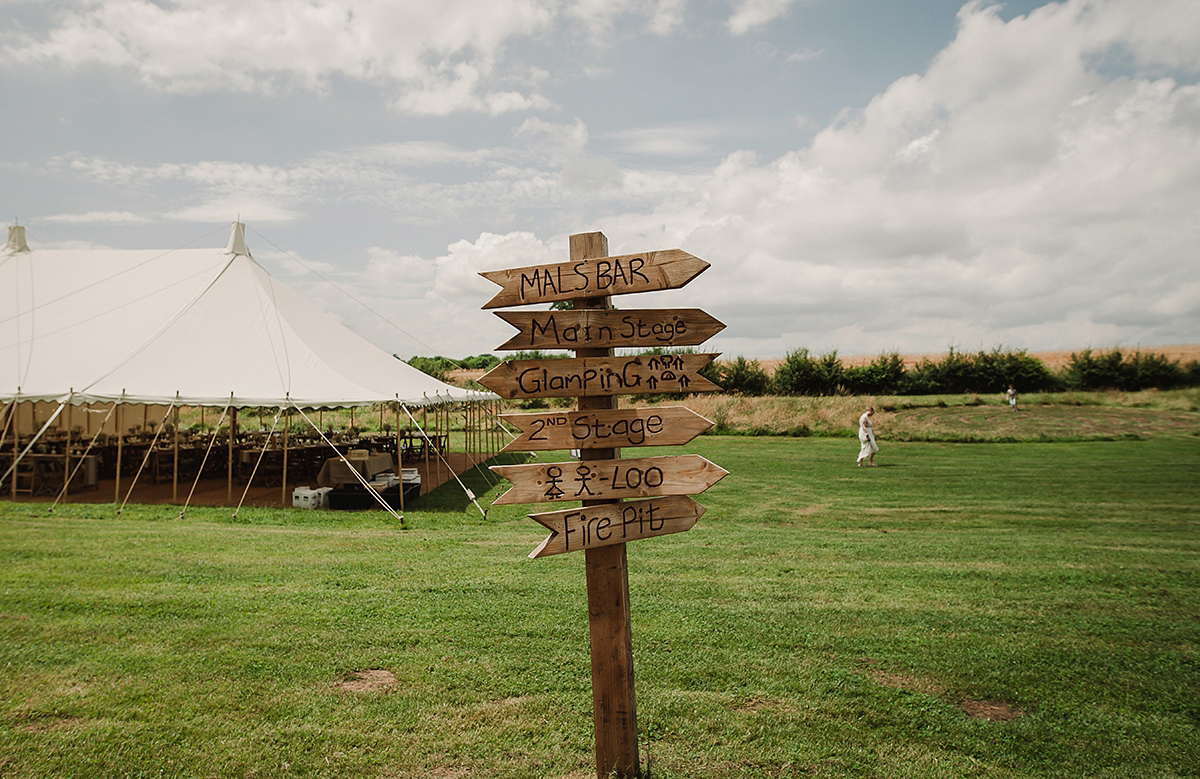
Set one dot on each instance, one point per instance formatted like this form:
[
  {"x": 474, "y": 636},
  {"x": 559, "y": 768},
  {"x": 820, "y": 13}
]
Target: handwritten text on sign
[
  {"x": 688, "y": 474},
  {"x": 605, "y": 329},
  {"x": 617, "y": 275},
  {"x": 597, "y": 376},
  {"x": 615, "y": 523},
  {"x": 661, "y": 426}
]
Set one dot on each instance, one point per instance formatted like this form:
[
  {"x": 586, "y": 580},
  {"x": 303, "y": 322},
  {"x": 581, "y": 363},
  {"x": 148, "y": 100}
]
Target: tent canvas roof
[{"x": 189, "y": 326}]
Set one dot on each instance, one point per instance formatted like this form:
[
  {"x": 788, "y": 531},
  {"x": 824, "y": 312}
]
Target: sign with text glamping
[{"x": 597, "y": 429}]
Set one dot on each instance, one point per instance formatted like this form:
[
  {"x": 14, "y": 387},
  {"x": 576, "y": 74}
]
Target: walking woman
[{"x": 866, "y": 437}]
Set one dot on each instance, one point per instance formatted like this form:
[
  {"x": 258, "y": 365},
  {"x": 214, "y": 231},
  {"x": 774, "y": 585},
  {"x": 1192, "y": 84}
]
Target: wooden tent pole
[
  {"x": 175, "y": 468},
  {"x": 229, "y": 465},
  {"x": 67, "y": 448},
  {"x": 399, "y": 455},
  {"x": 120, "y": 446},
  {"x": 287, "y": 429},
  {"x": 16, "y": 443},
  {"x": 8, "y": 420}
]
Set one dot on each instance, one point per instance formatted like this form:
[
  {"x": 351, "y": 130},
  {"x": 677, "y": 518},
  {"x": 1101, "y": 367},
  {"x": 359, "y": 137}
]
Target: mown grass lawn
[{"x": 991, "y": 610}]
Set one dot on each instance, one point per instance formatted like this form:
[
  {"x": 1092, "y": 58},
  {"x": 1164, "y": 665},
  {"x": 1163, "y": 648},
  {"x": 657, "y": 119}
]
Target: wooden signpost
[
  {"x": 594, "y": 277},
  {"x": 616, "y": 523},
  {"x": 688, "y": 474},
  {"x": 662, "y": 426},
  {"x": 597, "y": 429},
  {"x": 629, "y": 329},
  {"x": 592, "y": 376}
]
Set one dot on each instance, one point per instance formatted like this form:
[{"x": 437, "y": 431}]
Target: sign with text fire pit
[{"x": 596, "y": 430}]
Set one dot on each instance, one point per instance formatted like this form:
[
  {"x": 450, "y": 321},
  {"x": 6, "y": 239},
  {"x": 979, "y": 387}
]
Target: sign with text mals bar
[
  {"x": 617, "y": 428},
  {"x": 599, "y": 376},
  {"x": 609, "y": 329},
  {"x": 615, "y": 523},
  {"x": 618, "y": 275},
  {"x": 641, "y": 477}
]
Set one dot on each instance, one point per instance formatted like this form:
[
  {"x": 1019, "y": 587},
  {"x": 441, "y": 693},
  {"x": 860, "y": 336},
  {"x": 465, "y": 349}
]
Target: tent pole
[
  {"x": 16, "y": 443},
  {"x": 120, "y": 446},
  {"x": 175, "y": 468},
  {"x": 229, "y": 465},
  {"x": 399, "y": 453},
  {"x": 287, "y": 428},
  {"x": 8, "y": 418},
  {"x": 67, "y": 448}
]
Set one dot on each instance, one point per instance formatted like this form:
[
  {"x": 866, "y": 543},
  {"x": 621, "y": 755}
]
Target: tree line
[{"x": 803, "y": 373}]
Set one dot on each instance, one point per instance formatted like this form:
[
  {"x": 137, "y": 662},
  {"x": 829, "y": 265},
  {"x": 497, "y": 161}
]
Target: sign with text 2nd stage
[
  {"x": 602, "y": 276},
  {"x": 617, "y": 428}
]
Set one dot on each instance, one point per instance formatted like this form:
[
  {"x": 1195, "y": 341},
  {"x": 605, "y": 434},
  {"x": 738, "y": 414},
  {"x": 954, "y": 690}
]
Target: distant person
[
  {"x": 866, "y": 437},
  {"x": 1012, "y": 397}
]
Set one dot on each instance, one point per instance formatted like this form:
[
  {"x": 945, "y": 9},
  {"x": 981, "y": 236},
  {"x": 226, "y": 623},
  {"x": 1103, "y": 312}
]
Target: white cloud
[
  {"x": 805, "y": 55},
  {"x": 99, "y": 217},
  {"x": 748, "y": 14},
  {"x": 440, "y": 56},
  {"x": 980, "y": 202},
  {"x": 676, "y": 140}
]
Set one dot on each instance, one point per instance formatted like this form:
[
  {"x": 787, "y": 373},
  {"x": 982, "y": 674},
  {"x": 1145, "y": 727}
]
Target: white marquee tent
[
  {"x": 193, "y": 327},
  {"x": 179, "y": 328}
]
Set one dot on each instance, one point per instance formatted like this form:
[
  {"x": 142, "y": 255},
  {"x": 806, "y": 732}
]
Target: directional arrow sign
[
  {"x": 641, "y": 477},
  {"x": 607, "y": 329},
  {"x": 648, "y": 272},
  {"x": 615, "y": 523},
  {"x": 599, "y": 376},
  {"x": 661, "y": 426}
]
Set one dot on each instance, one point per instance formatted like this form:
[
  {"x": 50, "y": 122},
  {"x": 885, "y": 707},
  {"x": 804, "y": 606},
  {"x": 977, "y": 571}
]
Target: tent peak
[
  {"x": 16, "y": 239},
  {"x": 237, "y": 240}
]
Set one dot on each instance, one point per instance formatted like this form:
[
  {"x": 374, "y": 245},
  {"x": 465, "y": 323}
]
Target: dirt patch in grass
[
  {"x": 992, "y": 711},
  {"x": 372, "y": 680},
  {"x": 921, "y": 684}
]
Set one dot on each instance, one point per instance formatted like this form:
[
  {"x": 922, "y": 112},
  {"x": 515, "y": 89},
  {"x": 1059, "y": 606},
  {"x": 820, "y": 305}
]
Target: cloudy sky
[{"x": 863, "y": 175}]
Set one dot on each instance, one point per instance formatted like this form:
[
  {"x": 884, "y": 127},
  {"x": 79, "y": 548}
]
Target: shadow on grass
[{"x": 479, "y": 480}]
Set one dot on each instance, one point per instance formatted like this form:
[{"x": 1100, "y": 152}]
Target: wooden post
[
  {"x": 614, "y": 706},
  {"x": 229, "y": 465},
  {"x": 399, "y": 455},
  {"x": 287, "y": 429},
  {"x": 120, "y": 446},
  {"x": 67, "y": 449},
  {"x": 175, "y": 467}
]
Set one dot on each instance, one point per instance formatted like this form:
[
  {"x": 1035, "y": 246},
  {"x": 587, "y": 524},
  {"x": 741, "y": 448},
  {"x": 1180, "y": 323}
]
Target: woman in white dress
[{"x": 866, "y": 437}]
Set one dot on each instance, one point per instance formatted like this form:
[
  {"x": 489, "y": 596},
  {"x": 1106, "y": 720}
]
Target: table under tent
[{"x": 193, "y": 376}]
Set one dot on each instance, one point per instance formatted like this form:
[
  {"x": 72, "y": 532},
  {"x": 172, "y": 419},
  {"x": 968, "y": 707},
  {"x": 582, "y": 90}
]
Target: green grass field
[{"x": 990, "y": 610}]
